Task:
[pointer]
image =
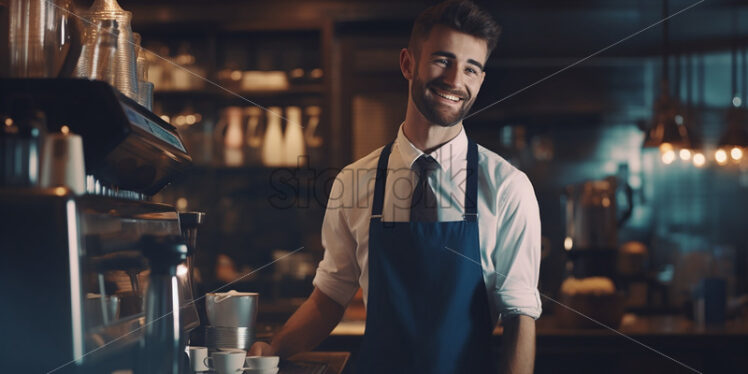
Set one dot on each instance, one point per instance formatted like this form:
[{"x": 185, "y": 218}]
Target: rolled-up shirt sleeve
[
  {"x": 338, "y": 272},
  {"x": 517, "y": 254}
]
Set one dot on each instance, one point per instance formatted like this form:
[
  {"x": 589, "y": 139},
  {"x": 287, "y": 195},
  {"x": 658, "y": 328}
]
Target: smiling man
[{"x": 446, "y": 243}]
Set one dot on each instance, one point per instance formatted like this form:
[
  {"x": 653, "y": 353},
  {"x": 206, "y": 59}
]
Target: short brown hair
[{"x": 461, "y": 15}]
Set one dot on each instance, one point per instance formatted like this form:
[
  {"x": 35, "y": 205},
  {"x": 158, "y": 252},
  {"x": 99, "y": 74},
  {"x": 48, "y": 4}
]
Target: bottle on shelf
[
  {"x": 294, "y": 137},
  {"x": 273, "y": 147},
  {"x": 234, "y": 138}
]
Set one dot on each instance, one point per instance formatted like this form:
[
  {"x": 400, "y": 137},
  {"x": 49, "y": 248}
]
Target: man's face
[{"x": 447, "y": 75}]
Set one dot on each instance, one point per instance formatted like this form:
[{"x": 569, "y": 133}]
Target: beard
[{"x": 434, "y": 111}]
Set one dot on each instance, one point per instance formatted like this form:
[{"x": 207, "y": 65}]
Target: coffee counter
[{"x": 633, "y": 349}]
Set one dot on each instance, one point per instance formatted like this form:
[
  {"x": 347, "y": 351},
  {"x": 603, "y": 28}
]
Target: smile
[{"x": 445, "y": 95}]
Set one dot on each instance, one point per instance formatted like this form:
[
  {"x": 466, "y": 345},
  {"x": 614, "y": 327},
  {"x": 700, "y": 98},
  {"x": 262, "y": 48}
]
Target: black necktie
[{"x": 423, "y": 204}]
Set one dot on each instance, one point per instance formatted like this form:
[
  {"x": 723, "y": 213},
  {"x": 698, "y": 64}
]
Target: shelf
[
  {"x": 250, "y": 169},
  {"x": 217, "y": 93}
]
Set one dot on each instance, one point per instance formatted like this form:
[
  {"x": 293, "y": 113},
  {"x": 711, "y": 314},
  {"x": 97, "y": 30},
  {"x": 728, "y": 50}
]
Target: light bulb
[
  {"x": 721, "y": 156},
  {"x": 685, "y": 154},
  {"x": 668, "y": 157},
  {"x": 736, "y": 153},
  {"x": 699, "y": 160}
]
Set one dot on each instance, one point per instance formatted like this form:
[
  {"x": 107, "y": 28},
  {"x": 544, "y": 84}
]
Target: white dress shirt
[{"x": 508, "y": 221}]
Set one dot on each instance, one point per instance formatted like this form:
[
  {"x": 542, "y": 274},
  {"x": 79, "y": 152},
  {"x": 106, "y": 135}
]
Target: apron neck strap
[
  {"x": 471, "y": 184},
  {"x": 381, "y": 181}
]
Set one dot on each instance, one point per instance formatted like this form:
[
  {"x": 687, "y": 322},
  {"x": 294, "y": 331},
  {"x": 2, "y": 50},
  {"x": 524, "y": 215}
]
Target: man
[{"x": 448, "y": 239}]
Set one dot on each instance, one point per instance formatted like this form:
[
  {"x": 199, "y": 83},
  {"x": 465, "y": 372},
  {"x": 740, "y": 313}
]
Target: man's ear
[{"x": 407, "y": 63}]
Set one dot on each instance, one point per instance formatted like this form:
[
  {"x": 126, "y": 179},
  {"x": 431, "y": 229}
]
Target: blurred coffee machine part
[
  {"x": 84, "y": 303},
  {"x": 21, "y": 133}
]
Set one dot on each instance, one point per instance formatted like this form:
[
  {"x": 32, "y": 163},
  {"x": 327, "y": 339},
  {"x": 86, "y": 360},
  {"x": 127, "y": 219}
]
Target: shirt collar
[{"x": 446, "y": 155}]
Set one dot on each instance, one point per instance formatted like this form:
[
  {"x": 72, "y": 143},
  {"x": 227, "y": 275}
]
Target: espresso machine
[{"x": 93, "y": 282}]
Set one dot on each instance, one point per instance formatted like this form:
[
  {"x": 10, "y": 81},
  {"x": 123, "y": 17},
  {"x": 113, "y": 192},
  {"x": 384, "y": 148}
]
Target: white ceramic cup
[
  {"x": 197, "y": 357},
  {"x": 224, "y": 349},
  {"x": 262, "y": 362},
  {"x": 226, "y": 362}
]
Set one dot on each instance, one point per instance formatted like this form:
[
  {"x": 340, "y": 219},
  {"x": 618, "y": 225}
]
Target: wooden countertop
[
  {"x": 561, "y": 350},
  {"x": 631, "y": 325}
]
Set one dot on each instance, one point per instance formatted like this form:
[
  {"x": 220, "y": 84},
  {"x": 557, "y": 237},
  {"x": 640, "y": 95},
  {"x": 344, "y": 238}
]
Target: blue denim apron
[{"x": 427, "y": 309}]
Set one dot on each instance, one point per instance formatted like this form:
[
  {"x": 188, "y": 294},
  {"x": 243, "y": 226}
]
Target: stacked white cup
[
  {"x": 230, "y": 361},
  {"x": 226, "y": 362},
  {"x": 261, "y": 364},
  {"x": 198, "y": 356}
]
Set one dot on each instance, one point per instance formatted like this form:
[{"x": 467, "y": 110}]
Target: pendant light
[
  {"x": 697, "y": 155},
  {"x": 684, "y": 153},
  {"x": 668, "y": 131},
  {"x": 734, "y": 141}
]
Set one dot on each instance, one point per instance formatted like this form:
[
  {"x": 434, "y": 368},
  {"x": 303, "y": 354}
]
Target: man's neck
[{"x": 425, "y": 135}]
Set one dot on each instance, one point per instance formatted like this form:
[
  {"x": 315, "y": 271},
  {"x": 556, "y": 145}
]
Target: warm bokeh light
[
  {"x": 181, "y": 204},
  {"x": 165, "y": 117},
  {"x": 182, "y": 270},
  {"x": 668, "y": 157},
  {"x": 720, "y": 156},
  {"x": 316, "y": 73},
  {"x": 699, "y": 159},
  {"x": 685, "y": 154},
  {"x": 736, "y": 153},
  {"x": 9, "y": 122},
  {"x": 665, "y": 147},
  {"x": 568, "y": 243},
  {"x": 297, "y": 73},
  {"x": 65, "y": 130}
]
